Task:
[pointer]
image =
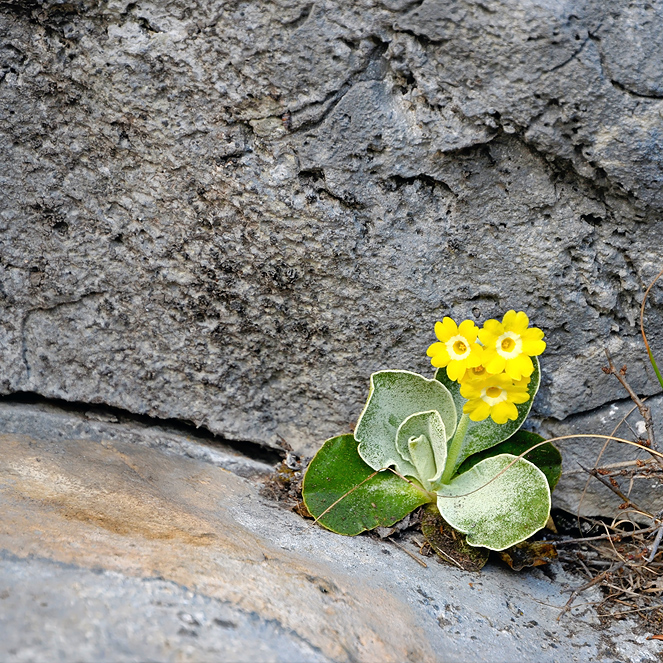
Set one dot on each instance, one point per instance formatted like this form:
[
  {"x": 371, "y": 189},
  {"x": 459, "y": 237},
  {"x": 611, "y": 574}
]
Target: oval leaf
[
  {"x": 547, "y": 457},
  {"x": 484, "y": 434},
  {"x": 393, "y": 397},
  {"x": 337, "y": 472},
  {"x": 500, "y": 513},
  {"x": 421, "y": 440}
]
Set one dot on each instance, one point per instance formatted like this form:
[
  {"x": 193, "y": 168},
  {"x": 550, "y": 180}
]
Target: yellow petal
[
  {"x": 518, "y": 397},
  {"x": 533, "y": 348},
  {"x": 476, "y": 356},
  {"x": 503, "y": 381},
  {"x": 509, "y": 318},
  {"x": 515, "y": 322},
  {"x": 532, "y": 334},
  {"x": 512, "y": 369},
  {"x": 441, "y": 360},
  {"x": 490, "y": 332},
  {"x": 441, "y": 356},
  {"x": 504, "y": 411},
  {"x": 450, "y": 328},
  {"x": 526, "y": 364},
  {"x": 456, "y": 370},
  {"x": 494, "y": 364},
  {"x": 519, "y": 366},
  {"x": 469, "y": 330},
  {"x": 494, "y": 327},
  {"x": 435, "y": 349},
  {"x": 479, "y": 412},
  {"x": 523, "y": 382},
  {"x": 471, "y": 405},
  {"x": 498, "y": 415},
  {"x": 470, "y": 390}
]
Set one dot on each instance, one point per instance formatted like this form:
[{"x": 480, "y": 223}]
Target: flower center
[
  {"x": 478, "y": 371},
  {"x": 509, "y": 345},
  {"x": 493, "y": 395},
  {"x": 458, "y": 348}
]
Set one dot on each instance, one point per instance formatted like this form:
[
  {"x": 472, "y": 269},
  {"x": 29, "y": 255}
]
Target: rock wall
[{"x": 232, "y": 212}]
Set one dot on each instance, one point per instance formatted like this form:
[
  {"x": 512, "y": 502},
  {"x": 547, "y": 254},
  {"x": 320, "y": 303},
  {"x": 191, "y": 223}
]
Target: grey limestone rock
[
  {"x": 74, "y": 613},
  {"x": 232, "y": 213},
  {"x": 115, "y": 550},
  {"x": 45, "y": 421},
  {"x": 580, "y": 494}
]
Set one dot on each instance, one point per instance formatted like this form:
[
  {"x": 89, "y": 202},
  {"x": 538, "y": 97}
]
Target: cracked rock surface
[
  {"x": 116, "y": 549},
  {"x": 232, "y": 213}
]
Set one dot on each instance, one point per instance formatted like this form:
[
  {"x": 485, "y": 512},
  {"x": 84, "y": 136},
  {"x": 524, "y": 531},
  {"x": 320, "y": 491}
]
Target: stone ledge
[{"x": 101, "y": 531}]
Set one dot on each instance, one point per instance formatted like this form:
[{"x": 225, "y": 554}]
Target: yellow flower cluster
[{"x": 493, "y": 365}]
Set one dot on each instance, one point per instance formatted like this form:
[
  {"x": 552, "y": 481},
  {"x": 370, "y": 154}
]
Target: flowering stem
[{"x": 455, "y": 448}]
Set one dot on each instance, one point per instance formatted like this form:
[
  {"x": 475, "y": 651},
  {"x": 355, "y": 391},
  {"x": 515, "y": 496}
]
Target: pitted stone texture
[
  {"x": 233, "y": 213},
  {"x": 115, "y": 551}
]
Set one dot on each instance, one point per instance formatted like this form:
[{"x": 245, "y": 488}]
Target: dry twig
[
  {"x": 614, "y": 488},
  {"x": 645, "y": 411},
  {"x": 656, "y": 544},
  {"x": 578, "y": 590}
]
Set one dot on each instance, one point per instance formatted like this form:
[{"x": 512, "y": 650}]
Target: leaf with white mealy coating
[
  {"x": 497, "y": 510},
  {"x": 421, "y": 440},
  {"x": 335, "y": 476},
  {"x": 393, "y": 397},
  {"x": 484, "y": 434},
  {"x": 546, "y": 457}
]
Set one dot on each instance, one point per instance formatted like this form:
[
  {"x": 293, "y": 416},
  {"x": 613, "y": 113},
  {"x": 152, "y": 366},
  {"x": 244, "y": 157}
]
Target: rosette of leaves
[{"x": 412, "y": 445}]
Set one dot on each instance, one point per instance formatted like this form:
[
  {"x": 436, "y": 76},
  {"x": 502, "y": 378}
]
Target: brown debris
[
  {"x": 450, "y": 545},
  {"x": 529, "y": 553}
]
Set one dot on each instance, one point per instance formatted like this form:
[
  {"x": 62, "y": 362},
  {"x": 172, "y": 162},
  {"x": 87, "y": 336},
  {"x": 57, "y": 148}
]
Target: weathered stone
[
  {"x": 82, "y": 614},
  {"x": 48, "y": 422},
  {"x": 577, "y": 491},
  {"x": 114, "y": 551},
  {"x": 232, "y": 214}
]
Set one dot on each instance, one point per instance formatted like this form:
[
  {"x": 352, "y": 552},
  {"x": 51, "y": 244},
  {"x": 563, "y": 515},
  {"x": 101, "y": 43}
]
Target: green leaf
[
  {"x": 500, "y": 513},
  {"x": 421, "y": 440},
  {"x": 546, "y": 457},
  {"x": 393, "y": 397},
  {"x": 381, "y": 501},
  {"x": 484, "y": 434}
]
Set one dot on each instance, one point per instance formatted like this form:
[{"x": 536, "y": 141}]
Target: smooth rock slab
[
  {"x": 117, "y": 551},
  {"x": 60, "y": 612}
]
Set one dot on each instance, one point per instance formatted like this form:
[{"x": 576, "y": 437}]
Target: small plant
[{"x": 454, "y": 441}]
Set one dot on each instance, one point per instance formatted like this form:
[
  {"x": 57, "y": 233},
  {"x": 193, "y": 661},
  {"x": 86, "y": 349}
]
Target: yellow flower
[
  {"x": 458, "y": 349},
  {"x": 510, "y": 344},
  {"x": 494, "y": 396},
  {"x": 475, "y": 373}
]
